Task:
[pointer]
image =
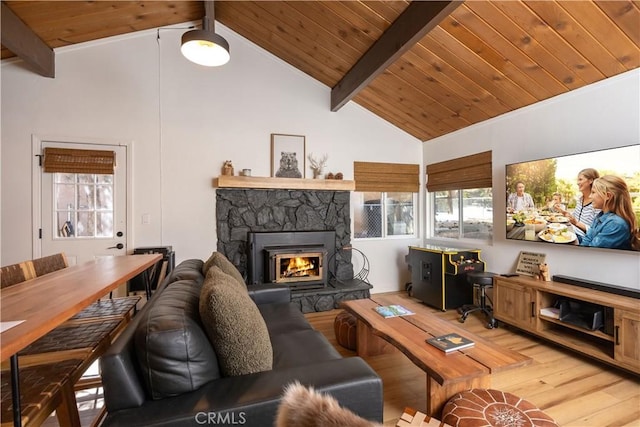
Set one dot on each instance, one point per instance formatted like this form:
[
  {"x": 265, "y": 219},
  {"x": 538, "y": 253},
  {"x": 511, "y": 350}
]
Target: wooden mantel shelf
[{"x": 228, "y": 181}]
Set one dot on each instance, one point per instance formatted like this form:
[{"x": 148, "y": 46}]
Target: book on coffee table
[
  {"x": 393, "y": 311},
  {"x": 450, "y": 342}
]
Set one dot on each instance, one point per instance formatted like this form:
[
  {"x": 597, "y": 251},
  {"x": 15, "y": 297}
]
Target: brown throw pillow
[
  {"x": 213, "y": 277},
  {"x": 218, "y": 259},
  {"x": 234, "y": 325}
]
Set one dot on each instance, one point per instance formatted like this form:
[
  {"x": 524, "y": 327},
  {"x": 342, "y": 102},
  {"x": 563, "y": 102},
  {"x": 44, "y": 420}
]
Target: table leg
[
  {"x": 67, "y": 411},
  {"x": 147, "y": 283},
  {"x": 15, "y": 391},
  {"x": 369, "y": 344},
  {"x": 438, "y": 395}
]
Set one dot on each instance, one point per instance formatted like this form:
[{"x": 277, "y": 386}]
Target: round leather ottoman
[
  {"x": 344, "y": 327},
  {"x": 481, "y": 407}
]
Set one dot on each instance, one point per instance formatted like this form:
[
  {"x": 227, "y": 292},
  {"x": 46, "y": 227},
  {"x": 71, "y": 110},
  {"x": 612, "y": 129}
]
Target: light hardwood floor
[{"x": 574, "y": 390}]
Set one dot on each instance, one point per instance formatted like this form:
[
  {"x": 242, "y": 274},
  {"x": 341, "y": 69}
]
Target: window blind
[
  {"x": 79, "y": 161},
  {"x": 386, "y": 177},
  {"x": 472, "y": 171}
]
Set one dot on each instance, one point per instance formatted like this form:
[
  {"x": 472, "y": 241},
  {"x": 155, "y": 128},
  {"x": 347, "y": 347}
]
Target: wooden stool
[
  {"x": 493, "y": 408},
  {"x": 345, "y": 329}
]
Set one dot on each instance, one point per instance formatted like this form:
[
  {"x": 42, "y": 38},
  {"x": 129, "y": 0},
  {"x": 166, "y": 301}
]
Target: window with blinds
[
  {"x": 460, "y": 191},
  {"x": 83, "y": 191},
  {"x": 384, "y": 200}
]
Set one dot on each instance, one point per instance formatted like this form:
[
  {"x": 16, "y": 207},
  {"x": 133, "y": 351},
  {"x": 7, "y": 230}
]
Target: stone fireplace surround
[{"x": 239, "y": 211}]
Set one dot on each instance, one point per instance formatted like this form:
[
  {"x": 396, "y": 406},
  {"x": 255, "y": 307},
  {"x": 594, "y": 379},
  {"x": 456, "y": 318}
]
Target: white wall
[
  {"x": 603, "y": 115},
  {"x": 183, "y": 121}
]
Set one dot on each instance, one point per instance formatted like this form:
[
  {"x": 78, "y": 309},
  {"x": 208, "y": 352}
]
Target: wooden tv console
[{"x": 518, "y": 300}]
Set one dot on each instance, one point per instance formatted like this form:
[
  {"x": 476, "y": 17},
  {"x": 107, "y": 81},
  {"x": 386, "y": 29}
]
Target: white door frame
[{"x": 36, "y": 183}]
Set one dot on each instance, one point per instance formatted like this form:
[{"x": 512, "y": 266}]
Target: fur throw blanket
[{"x": 305, "y": 407}]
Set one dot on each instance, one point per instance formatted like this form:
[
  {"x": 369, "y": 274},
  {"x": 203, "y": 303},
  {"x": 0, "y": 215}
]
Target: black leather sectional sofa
[{"x": 163, "y": 370}]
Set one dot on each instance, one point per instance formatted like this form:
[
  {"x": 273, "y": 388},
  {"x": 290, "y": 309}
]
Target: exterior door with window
[{"x": 83, "y": 203}]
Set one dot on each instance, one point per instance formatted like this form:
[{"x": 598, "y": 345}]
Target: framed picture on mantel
[{"x": 287, "y": 155}]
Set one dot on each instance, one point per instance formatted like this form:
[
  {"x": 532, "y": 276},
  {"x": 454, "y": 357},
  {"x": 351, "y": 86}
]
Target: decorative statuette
[
  {"x": 227, "y": 168},
  {"x": 317, "y": 165},
  {"x": 543, "y": 273}
]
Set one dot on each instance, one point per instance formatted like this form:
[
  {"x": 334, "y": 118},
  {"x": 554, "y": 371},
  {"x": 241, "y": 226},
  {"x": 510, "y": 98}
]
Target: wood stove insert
[{"x": 297, "y": 259}]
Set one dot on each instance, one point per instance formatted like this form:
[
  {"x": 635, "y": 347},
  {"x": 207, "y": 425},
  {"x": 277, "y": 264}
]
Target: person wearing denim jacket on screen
[{"x": 614, "y": 227}]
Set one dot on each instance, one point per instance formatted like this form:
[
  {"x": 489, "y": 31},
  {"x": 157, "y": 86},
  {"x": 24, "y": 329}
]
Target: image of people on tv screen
[
  {"x": 554, "y": 200},
  {"x": 584, "y": 212},
  {"x": 519, "y": 201},
  {"x": 555, "y": 204},
  {"x": 615, "y": 226}
]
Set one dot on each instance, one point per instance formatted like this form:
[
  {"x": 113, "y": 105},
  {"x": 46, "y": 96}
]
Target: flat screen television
[{"x": 538, "y": 218}]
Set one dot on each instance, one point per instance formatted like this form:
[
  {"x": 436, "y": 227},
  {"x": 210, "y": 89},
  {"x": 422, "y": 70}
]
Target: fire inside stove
[{"x": 298, "y": 267}]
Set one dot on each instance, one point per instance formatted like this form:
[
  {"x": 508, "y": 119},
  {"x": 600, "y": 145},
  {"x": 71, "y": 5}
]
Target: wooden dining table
[{"x": 43, "y": 303}]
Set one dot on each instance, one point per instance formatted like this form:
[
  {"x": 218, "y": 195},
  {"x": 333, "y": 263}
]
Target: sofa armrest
[
  {"x": 120, "y": 371},
  {"x": 253, "y": 400},
  {"x": 269, "y": 293}
]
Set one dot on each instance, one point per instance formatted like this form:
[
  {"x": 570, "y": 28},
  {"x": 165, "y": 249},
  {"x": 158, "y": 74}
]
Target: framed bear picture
[{"x": 287, "y": 156}]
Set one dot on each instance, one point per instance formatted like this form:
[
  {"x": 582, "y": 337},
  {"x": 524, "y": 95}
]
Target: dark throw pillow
[{"x": 234, "y": 325}]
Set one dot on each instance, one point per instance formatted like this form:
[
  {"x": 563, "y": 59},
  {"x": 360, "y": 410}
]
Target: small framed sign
[{"x": 528, "y": 263}]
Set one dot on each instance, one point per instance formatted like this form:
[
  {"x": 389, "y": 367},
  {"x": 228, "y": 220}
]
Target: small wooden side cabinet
[{"x": 518, "y": 301}]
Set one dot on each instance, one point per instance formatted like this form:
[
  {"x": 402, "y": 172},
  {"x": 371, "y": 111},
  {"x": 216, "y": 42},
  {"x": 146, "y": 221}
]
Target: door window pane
[
  {"x": 65, "y": 224},
  {"x": 86, "y": 224},
  {"x": 104, "y": 179},
  {"x": 83, "y": 205},
  {"x": 65, "y": 196},
  {"x": 104, "y": 224},
  {"x": 68, "y": 178},
  {"x": 84, "y": 178},
  {"x": 104, "y": 197},
  {"x": 86, "y": 196}
]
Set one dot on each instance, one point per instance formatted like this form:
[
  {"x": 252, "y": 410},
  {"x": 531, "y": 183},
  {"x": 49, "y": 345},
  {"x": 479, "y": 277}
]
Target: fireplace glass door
[{"x": 296, "y": 266}]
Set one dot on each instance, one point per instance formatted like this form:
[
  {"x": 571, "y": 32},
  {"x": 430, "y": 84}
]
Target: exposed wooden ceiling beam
[
  {"x": 409, "y": 28},
  {"x": 22, "y": 41}
]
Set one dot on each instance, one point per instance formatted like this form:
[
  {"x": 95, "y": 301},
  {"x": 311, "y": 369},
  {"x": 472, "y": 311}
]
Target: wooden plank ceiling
[{"x": 484, "y": 59}]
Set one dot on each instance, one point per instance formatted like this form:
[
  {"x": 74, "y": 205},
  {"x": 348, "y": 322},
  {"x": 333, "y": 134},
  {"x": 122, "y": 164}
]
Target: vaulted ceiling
[{"x": 430, "y": 74}]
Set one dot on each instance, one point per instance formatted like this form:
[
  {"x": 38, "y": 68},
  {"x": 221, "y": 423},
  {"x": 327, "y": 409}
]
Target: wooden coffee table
[{"x": 447, "y": 373}]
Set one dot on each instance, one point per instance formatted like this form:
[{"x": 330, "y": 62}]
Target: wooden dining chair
[
  {"x": 27, "y": 270},
  {"x": 49, "y": 264},
  {"x": 16, "y": 273}
]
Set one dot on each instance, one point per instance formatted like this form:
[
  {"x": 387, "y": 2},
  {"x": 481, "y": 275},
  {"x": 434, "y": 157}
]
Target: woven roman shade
[
  {"x": 386, "y": 177},
  {"x": 465, "y": 172},
  {"x": 79, "y": 161}
]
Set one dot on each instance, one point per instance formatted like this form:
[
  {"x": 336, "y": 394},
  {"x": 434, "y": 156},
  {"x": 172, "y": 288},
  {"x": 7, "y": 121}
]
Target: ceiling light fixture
[{"x": 205, "y": 47}]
